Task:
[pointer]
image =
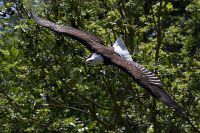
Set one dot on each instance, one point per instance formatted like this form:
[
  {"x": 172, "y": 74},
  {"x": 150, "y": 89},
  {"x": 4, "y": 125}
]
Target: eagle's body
[{"x": 119, "y": 48}]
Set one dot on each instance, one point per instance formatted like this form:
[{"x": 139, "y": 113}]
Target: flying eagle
[{"x": 117, "y": 55}]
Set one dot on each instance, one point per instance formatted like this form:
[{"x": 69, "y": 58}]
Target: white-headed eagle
[{"x": 117, "y": 55}]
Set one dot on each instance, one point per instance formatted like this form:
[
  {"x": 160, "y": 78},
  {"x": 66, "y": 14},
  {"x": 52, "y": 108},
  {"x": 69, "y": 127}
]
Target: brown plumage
[{"x": 138, "y": 73}]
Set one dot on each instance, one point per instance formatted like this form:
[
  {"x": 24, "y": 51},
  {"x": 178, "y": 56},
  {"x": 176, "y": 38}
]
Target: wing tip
[{"x": 164, "y": 97}]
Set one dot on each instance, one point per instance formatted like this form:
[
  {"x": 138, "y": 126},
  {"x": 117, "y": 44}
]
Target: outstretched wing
[
  {"x": 81, "y": 36},
  {"x": 139, "y": 74},
  {"x": 121, "y": 49}
]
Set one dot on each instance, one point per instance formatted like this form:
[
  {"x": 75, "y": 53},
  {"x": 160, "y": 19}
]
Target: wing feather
[
  {"x": 151, "y": 76},
  {"x": 161, "y": 95}
]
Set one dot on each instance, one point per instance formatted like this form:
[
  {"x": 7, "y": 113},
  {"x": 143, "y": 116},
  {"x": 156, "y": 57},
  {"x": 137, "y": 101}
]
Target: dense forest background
[{"x": 47, "y": 87}]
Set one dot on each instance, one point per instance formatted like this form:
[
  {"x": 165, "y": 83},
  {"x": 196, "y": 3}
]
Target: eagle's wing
[
  {"x": 121, "y": 49},
  {"x": 133, "y": 69},
  {"x": 78, "y": 35}
]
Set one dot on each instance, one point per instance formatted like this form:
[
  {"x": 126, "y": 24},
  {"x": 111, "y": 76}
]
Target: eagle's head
[{"x": 95, "y": 59}]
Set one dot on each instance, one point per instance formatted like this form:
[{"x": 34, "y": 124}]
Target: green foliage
[{"x": 47, "y": 87}]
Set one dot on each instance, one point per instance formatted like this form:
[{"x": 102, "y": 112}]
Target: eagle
[{"x": 118, "y": 55}]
